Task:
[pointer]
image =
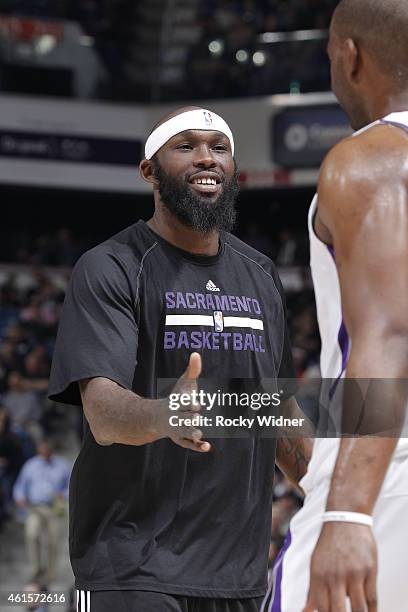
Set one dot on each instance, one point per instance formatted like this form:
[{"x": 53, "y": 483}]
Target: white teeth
[{"x": 205, "y": 181}]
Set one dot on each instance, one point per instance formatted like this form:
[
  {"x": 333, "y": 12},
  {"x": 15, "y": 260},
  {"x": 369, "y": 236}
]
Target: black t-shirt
[{"x": 159, "y": 517}]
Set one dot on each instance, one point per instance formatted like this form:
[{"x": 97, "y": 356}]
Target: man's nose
[{"x": 204, "y": 157}]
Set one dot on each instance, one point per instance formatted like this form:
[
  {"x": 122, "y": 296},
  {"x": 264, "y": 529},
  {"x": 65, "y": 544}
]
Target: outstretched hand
[{"x": 185, "y": 434}]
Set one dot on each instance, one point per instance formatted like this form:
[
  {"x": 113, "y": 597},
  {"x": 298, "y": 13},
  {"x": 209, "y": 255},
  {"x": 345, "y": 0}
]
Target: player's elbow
[
  {"x": 101, "y": 439},
  {"x": 92, "y": 401},
  {"x": 99, "y": 429}
]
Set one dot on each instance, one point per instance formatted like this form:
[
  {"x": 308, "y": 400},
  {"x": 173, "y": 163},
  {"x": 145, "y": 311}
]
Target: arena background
[{"x": 81, "y": 82}]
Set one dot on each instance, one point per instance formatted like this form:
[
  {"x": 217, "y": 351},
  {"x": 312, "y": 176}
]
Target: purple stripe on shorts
[{"x": 277, "y": 593}]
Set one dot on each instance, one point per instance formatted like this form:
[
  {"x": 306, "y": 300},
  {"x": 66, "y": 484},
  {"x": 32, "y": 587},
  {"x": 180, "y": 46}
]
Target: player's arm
[
  {"x": 117, "y": 415},
  {"x": 363, "y": 205},
  {"x": 96, "y": 352},
  {"x": 293, "y": 453}
]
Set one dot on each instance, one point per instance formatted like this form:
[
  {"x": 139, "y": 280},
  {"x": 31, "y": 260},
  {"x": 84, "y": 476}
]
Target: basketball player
[
  {"x": 355, "y": 518},
  {"x": 160, "y": 519}
]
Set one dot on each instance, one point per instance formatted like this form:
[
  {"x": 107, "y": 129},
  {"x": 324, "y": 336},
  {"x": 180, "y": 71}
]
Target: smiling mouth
[{"x": 207, "y": 185}]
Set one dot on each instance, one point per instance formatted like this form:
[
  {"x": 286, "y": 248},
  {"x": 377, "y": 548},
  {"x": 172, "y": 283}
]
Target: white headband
[{"x": 200, "y": 119}]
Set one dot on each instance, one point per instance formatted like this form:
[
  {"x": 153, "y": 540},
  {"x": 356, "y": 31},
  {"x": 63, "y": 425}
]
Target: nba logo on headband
[
  {"x": 207, "y": 118},
  {"x": 197, "y": 119}
]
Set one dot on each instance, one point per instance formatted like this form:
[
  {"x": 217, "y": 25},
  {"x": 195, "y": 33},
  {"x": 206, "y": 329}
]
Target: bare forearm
[
  {"x": 294, "y": 450},
  {"x": 359, "y": 473},
  {"x": 293, "y": 456},
  {"x": 378, "y": 407},
  {"x": 117, "y": 415}
]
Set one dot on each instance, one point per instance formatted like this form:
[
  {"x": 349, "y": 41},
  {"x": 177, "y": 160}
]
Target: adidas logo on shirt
[{"x": 211, "y": 287}]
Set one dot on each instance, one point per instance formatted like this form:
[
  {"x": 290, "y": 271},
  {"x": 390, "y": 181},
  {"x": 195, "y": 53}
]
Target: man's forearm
[
  {"x": 293, "y": 453},
  {"x": 360, "y": 470},
  {"x": 375, "y": 409},
  {"x": 117, "y": 415},
  {"x": 293, "y": 456}
]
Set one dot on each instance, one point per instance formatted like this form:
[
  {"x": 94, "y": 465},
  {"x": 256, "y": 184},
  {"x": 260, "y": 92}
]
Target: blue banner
[
  {"x": 301, "y": 136},
  {"x": 70, "y": 148}
]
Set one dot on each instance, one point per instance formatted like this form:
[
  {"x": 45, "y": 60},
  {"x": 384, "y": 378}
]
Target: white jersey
[{"x": 335, "y": 341}]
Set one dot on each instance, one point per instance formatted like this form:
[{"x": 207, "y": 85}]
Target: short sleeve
[{"x": 98, "y": 333}]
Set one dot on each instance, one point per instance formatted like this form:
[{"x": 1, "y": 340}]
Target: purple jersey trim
[
  {"x": 342, "y": 339},
  {"x": 395, "y": 124},
  {"x": 276, "y": 603},
  {"x": 344, "y": 343}
]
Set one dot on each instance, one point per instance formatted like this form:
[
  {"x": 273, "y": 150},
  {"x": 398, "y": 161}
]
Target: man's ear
[
  {"x": 352, "y": 59},
  {"x": 146, "y": 172}
]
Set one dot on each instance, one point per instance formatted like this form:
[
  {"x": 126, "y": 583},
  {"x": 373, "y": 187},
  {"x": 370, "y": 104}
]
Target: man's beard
[{"x": 198, "y": 213}]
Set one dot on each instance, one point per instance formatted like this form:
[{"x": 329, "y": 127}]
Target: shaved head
[{"x": 380, "y": 27}]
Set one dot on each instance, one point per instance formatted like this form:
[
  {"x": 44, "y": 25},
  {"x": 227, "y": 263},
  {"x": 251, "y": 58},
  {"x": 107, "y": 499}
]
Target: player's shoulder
[
  {"x": 364, "y": 156},
  {"x": 125, "y": 250},
  {"x": 260, "y": 262}
]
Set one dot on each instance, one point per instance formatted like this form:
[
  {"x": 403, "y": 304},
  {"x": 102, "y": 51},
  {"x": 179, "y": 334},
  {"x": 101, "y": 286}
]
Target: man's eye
[
  {"x": 220, "y": 147},
  {"x": 185, "y": 146}
]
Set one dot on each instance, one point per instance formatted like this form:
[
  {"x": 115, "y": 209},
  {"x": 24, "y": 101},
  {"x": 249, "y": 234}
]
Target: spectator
[
  {"x": 67, "y": 251},
  {"x": 287, "y": 248},
  {"x": 41, "y": 489},
  {"x": 304, "y": 332},
  {"x": 37, "y": 367},
  {"x": 11, "y": 460},
  {"x": 16, "y": 334},
  {"x": 8, "y": 363},
  {"x": 8, "y": 292},
  {"x": 23, "y": 405},
  {"x": 36, "y": 587}
]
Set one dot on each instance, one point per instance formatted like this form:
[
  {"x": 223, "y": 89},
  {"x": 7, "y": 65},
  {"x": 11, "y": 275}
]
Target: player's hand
[
  {"x": 344, "y": 564},
  {"x": 188, "y": 436}
]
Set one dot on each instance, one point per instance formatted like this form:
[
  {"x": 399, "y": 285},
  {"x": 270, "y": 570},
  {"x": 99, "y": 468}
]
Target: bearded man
[{"x": 161, "y": 519}]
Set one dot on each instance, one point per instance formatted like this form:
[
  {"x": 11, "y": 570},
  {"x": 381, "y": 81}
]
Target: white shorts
[{"x": 288, "y": 591}]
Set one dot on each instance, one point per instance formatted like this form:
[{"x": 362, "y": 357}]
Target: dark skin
[
  {"x": 363, "y": 214},
  {"x": 293, "y": 453},
  {"x": 117, "y": 415},
  {"x": 188, "y": 155}
]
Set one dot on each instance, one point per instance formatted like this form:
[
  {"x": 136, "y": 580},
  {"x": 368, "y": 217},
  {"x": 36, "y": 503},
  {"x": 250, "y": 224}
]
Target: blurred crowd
[
  {"x": 180, "y": 50},
  {"x": 268, "y": 15},
  {"x": 232, "y": 60},
  {"x": 59, "y": 248},
  {"x": 31, "y": 297},
  {"x": 28, "y": 323}
]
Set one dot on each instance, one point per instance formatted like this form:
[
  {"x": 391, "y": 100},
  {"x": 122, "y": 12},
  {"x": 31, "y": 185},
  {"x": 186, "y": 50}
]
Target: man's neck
[
  {"x": 387, "y": 104},
  {"x": 166, "y": 225}
]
